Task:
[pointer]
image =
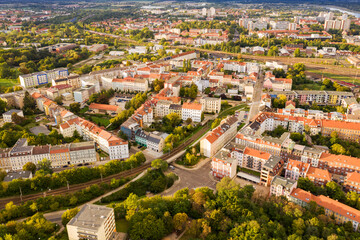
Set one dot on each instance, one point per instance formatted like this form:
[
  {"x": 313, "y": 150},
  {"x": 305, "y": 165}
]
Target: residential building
[
  {"x": 296, "y": 169},
  {"x": 92, "y": 222},
  {"x": 318, "y": 176},
  {"x": 176, "y": 108},
  {"x": 270, "y": 169},
  {"x": 130, "y": 84},
  {"x": 352, "y": 182},
  {"x": 83, "y": 94},
  {"x": 342, "y": 213},
  {"x": 59, "y": 155},
  {"x": 114, "y": 146},
  {"x": 254, "y": 159},
  {"x": 219, "y": 136},
  {"x": 281, "y": 186},
  {"x": 193, "y": 111},
  {"x": 151, "y": 141},
  {"x": 211, "y": 105},
  {"x": 223, "y": 165},
  {"x": 72, "y": 79},
  {"x": 162, "y": 108},
  {"x": 7, "y": 116},
  {"x": 44, "y": 77},
  {"x": 82, "y": 152},
  {"x": 345, "y": 130}
]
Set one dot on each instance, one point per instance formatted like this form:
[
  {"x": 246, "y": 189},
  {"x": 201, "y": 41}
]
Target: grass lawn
[
  {"x": 8, "y": 82},
  {"x": 122, "y": 225},
  {"x": 84, "y": 110},
  {"x": 335, "y": 76},
  {"x": 100, "y": 121}
]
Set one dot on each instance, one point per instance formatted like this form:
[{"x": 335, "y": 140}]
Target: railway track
[{"x": 81, "y": 186}]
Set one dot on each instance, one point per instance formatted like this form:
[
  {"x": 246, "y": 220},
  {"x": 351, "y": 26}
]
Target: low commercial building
[
  {"x": 104, "y": 108},
  {"x": 92, "y": 222}
]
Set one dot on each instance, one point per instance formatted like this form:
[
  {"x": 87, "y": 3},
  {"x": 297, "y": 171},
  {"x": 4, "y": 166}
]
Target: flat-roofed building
[
  {"x": 92, "y": 222},
  {"x": 44, "y": 77},
  {"x": 211, "y": 105}
]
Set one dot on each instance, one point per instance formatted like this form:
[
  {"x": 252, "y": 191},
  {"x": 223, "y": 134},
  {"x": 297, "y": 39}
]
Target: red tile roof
[
  {"x": 105, "y": 107},
  {"x": 257, "y": 153}
]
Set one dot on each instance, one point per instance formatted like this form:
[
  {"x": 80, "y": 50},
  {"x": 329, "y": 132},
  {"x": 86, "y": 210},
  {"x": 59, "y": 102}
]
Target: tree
[
  {"x": 338, "y": 149},
  {"x": 45, "y": 165},
  {"x": 75, "y": 107},
  {"x": 297, "y": 53},
  {"x": 179, "y": 221},
  {"x": 159, "y": 164},
  {"x": 17, "y": 119},
  {"x": 58, "y": 100},
  {"x": 29, "y": 104},
  {"x": 29, "y": 166},
  {"x": 3, "y": 106},
  {"x": 68, "y": 215}
]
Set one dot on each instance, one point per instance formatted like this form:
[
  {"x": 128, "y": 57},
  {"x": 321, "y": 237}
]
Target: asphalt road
[
  {"x": 254, "y": 109},
  {"x": 192, "y": 178}
]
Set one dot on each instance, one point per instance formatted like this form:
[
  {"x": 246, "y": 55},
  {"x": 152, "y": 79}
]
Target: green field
[
  {"x": 335, "y": 76},
  {"x": 8, "y": 82}
]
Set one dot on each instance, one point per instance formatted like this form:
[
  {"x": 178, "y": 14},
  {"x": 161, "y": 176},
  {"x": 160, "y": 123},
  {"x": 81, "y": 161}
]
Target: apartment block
[
  {"x": 219, "y": 136},
  {"x": 211, "y": 105},
  {"x": 130, "y": 84},
  {"x": 281, "y": 186},
  {"x": 92, "y": 222},
  {"x": 44, "y": 77},
  {"x": 192, "y": 111},
  {"x": 296, "y": 169},
  {"x": 319, "y": 176},
  {"x": 60, "y": 155},
  {"x": 223, "y": 165},
  {"x": 342, "y": 213},
  {"x": 352, "y": 182},
  {"x": 116, "y": 147}
]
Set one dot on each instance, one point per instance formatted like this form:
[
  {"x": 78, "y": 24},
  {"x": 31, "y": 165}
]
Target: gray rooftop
[
  {"x": 286, "y": 183},
  {"x": 91, "y": 216},
  {"x": 17, "y": 175},
  {"x": 272, "y": 162},
  {"x": 10, "y": 112},
  {"x": 224, "y": 155}
]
